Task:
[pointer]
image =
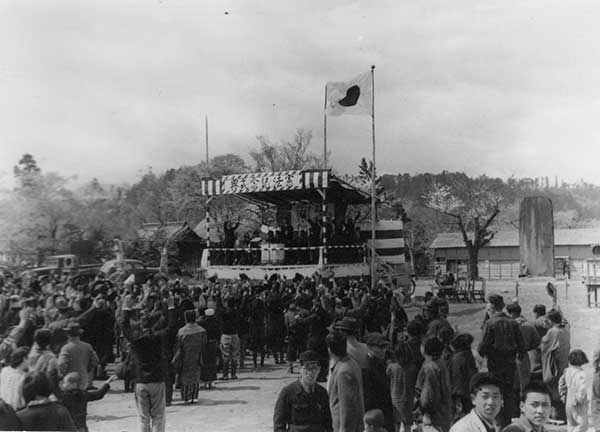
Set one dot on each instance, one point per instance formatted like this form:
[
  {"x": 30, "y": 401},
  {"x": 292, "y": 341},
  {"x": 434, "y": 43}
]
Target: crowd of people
[
  {"x": 429, "y": 376},
  {"x": 363, "y": 365}
]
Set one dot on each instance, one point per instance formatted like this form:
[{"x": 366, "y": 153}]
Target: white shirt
[{"x": 11, "y": 387}]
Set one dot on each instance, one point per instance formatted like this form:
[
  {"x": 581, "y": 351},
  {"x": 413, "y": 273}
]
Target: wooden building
[
  {"x": 500, "y": 259},
  {"x": 189, "y": 244}
]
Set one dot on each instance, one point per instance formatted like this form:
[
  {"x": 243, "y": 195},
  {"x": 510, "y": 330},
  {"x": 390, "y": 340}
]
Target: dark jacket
[
  {"x": 501, "y": 338},
  {"x": 148, "y": 360},
  {"x": 46, "y": 416},
  {"x": 377, "y": 393},
  {"x": 76, "y": 401},
  {"x": 8, "y": 418},
  {"x": 298, "y": 411},
  {"x": 462, "y": 367}
]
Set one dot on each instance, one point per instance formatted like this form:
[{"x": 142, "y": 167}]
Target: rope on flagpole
[{"x": 373, "y": 172}]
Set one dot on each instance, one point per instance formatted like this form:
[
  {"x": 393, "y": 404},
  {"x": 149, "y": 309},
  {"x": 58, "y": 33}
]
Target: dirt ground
[{"x": 247, "y": 404}]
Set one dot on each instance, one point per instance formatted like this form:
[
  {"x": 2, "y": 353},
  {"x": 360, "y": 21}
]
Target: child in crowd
[
  {"x": 402, "y": 374},
  {"x": 76, "y": 400},
  {"x": 462, "y": 367},
  {"x": 573, "y": 392}
]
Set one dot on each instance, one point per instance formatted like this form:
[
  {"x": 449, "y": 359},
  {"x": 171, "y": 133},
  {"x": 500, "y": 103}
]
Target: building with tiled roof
[{"x": 500, "y": 258}]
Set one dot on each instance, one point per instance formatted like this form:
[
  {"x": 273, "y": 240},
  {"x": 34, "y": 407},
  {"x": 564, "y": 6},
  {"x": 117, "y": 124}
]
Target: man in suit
[
  {"x": 345, "y": 387},
  {"x": 77, "y": 356}
]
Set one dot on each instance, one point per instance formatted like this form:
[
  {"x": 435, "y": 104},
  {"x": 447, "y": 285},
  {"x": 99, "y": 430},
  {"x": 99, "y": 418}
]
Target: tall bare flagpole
[
  {"x": 206, "y": 136},
  {"x": 325, "y": 129},
  {"x": 373, "y": 172}
]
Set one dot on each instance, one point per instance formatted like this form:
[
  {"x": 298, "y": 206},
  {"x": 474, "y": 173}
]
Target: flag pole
[
  {"x": 373, "y": 172},
  {"x": 325, "y": 129},
  {"x": 206, "y": 136}
]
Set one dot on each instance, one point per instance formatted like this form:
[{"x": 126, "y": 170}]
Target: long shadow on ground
[
  {"x": 470, "y": 311},
  {"x": 239, "y": 388},
  {"x": 108, "y": 417}
]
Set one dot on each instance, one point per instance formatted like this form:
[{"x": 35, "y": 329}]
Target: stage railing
[{"x": 281, "y": 255}]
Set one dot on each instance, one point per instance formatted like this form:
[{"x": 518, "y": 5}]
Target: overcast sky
[{"x": 106, "y": 89}]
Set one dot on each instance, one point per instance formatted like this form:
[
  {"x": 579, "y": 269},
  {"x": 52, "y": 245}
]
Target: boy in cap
[
  {"x": 303, "y": 405},
  {"x": 486, "y": 396}
]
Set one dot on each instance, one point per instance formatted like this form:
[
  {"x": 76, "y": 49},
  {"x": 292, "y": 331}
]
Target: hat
[
  {"x": 61, "y": 303},
  {"x": 213, "y": 278},
  {"x": 309, "y": 356},
  {"x": 496, "y": 300},
  {"x": 483, "y": 378},
  {"x": 376, "y": 339},
  {"x": 298, "y": 277},
  {"x": 244, "y": 277},
  {"x": 209, "y": 312},
  {"x": 73, "y": 329},
  {"x": 374, "y": 417},
  {"x": 347, "y": 324}
]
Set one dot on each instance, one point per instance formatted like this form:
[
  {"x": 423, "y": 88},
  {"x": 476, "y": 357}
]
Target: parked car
[{"x": 139, "y": 269}]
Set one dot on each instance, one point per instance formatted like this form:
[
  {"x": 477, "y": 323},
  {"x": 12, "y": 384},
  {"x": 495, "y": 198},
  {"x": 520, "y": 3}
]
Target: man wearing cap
[
  {"x": 377, "y": 394},
  {"x": 77, "y": 356},
  {"x": 486, "y": 395},
  {"x": 345, "y": 387},
  {"x": 502, "y": 343},
  {"x": 349, "y": 327},
  {"x": 303, "y": 406}
]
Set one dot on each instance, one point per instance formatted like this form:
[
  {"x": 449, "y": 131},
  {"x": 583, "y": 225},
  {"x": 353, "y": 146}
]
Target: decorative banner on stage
[
  {"x": 266, "y": 182},
  {"x": 259, "y": 182}
]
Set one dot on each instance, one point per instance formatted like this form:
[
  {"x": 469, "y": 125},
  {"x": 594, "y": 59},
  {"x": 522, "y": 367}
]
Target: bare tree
[
  {"x": 472, "y": 205},
  {"x": 291, "y": 154}
]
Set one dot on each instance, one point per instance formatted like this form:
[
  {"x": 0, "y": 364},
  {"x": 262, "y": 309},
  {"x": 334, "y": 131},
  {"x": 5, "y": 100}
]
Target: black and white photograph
[{"x": 299, "y": 216}]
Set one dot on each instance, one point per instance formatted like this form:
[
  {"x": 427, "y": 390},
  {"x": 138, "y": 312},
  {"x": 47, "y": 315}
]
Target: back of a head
[
  {"x": 36, "y": 385},
  {"x": 415, "y": 328},
  {"x": 513, "y": 309},
  {"x": 336, "y": 342},
  {"x": 190, "y": 316},
  {"x": 42, "y": 337},
  {"x": 71, "y": 380},
  {"x": 555, "y": 317},
  {"x": 18, "y": 356},
  {"x": 539, "y": 309}
]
